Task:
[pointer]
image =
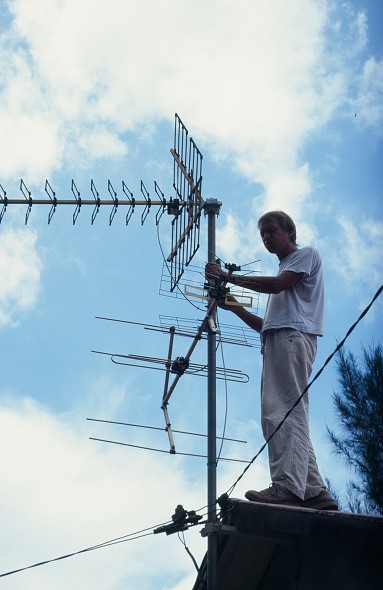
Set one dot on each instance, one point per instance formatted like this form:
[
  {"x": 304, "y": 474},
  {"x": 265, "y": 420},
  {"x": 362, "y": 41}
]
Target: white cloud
[
  {"x": 359, "y": 255},
  {"x": 62, "y": 493},
  {"x": 255, "y": 79},
  {"x": 290, "y": 187},
  {"x": 28, "y": 126},
  {"x": 229, "y": 238},
  {"x": 20, "y": 269},
  {"x": 369, "y": 103},
  {"x": 101, "y": 143}
]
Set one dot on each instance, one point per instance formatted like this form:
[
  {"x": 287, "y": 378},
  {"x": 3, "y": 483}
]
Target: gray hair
[{"x": 283, "y": 220}]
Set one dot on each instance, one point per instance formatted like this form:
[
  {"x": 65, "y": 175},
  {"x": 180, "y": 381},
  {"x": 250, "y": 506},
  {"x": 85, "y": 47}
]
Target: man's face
[{"x": 276, "y": 240}]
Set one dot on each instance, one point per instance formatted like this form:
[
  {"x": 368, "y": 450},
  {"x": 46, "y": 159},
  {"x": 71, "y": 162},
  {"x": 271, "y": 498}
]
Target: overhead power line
[{"x": 123, "y": 539}]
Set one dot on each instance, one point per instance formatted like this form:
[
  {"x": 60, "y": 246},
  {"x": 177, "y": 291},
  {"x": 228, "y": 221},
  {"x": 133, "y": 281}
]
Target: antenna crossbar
[
  {"x": 167, "y": 376},
  {"x": 192, "y": 220},
  {"x": 162, "y": 429},
  {"x": 113, "y": 442},
  {"x": 108, "y": 202}
]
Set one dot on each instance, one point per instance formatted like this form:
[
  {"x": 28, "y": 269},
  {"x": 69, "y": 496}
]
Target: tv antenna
[
  {"x": 186, "y": 209},
  {"x": 176, "y": 367},
  {"x": 189, "y": 205}
]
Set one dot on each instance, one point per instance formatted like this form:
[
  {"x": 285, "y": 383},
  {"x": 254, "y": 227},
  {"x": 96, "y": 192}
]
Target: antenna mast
[
  {"x": 187, "y": 184},
  {"x": 212, "y": 208}
]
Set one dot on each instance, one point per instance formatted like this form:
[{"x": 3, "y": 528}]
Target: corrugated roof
[{"x": 268, "y": 547}]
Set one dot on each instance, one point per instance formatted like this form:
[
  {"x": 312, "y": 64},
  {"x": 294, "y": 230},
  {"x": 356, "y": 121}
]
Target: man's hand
[
  {"x": 213, "y": 271},
  {"x": 228, "y": 299}
]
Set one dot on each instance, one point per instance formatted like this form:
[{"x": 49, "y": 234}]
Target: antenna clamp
[
  {"x": 181, "y": 521},
  {"x": 179, "y": 365}
]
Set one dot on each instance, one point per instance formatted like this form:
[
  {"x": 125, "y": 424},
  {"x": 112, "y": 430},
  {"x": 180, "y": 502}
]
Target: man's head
[
  {"x": 278, "y": 233},
  {"x": 284, "y": 221}
]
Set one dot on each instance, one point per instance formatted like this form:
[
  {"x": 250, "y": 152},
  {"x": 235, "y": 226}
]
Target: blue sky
[{"x": 285, "y": 102}]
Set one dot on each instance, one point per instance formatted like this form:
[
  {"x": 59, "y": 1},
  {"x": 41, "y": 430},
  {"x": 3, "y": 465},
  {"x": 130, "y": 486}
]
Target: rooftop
[{"x": 268, "y": 547}]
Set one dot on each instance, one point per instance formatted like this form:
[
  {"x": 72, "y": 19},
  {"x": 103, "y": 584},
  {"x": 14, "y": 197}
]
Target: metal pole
[{"x": 211, "y": 207}]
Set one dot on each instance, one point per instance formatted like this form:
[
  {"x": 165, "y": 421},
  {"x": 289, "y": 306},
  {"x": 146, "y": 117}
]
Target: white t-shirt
[{"x": 301, "y": 306}]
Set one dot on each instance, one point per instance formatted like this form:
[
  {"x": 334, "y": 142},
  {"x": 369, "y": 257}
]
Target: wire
[
  {"x": 242, "y": 265},
  {"x": 129, "y": 537},
  {"x": 338, "y": 347},
  {"x": 167, "y": 266},
  {"x": 123, "y": 539},
  {"x": 249, "y": 263},
  {"x": 181, "y": 537},
  {"x": 205, "y": 366},
  {"x": 226, "y": 397}
]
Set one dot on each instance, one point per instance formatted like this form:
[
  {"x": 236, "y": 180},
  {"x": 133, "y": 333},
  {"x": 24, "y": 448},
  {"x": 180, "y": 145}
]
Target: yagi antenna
[
  {"x": 191, "y": 286},
  {"x": 185, "y": 208},
  {"x": 187, "y": 183},
  {"x": 96, "y": 202},
  {"x": 175, "y": 367},
  {"x": 227, "y": 334}
]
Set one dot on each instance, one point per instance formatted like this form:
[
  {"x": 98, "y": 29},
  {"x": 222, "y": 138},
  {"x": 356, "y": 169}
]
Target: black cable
[
  {"x": 182, "y": 539},
  {"x": 226, "y": 398},
  {"x": 129, "y": 537},
  {"x": 204, "y": 367},
  {"x": 339, "y": 346},
  {"x": 167, "y": 266}
]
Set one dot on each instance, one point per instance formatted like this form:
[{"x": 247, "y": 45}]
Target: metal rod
[
  {"x": 162, "y": 429},
  {"x": 196, "y": 339},
  {"x": 108, "y": 202},
  {"x": 212, "y": 209},
  {"x": 164, "y": 405},
  {"x": 168, "y": 363},
  {"x": 113, "y": 442},
  {"x": 193, "y": 219}
]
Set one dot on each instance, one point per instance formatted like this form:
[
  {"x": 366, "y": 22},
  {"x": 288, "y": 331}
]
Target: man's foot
[
  {"x": 274, "y": 494},
  {"x": 323, "y": 501}
]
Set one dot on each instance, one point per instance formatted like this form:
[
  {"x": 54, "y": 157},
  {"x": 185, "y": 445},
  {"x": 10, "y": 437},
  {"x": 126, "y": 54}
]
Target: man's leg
[{"x": 288, "y": 358}]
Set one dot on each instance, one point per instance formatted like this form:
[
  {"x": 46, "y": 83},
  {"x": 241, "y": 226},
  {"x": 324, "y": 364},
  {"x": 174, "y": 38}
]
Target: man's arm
[
  {"x": 253, "y": 321},
  {"x": 283, "y": 281}
]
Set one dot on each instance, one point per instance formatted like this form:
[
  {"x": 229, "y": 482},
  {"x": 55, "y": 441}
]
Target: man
[{"x": 293, "y": 321}]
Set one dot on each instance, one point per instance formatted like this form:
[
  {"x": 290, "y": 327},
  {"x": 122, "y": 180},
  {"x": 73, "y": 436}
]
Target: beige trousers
[{"x": 288, "y": 356}]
